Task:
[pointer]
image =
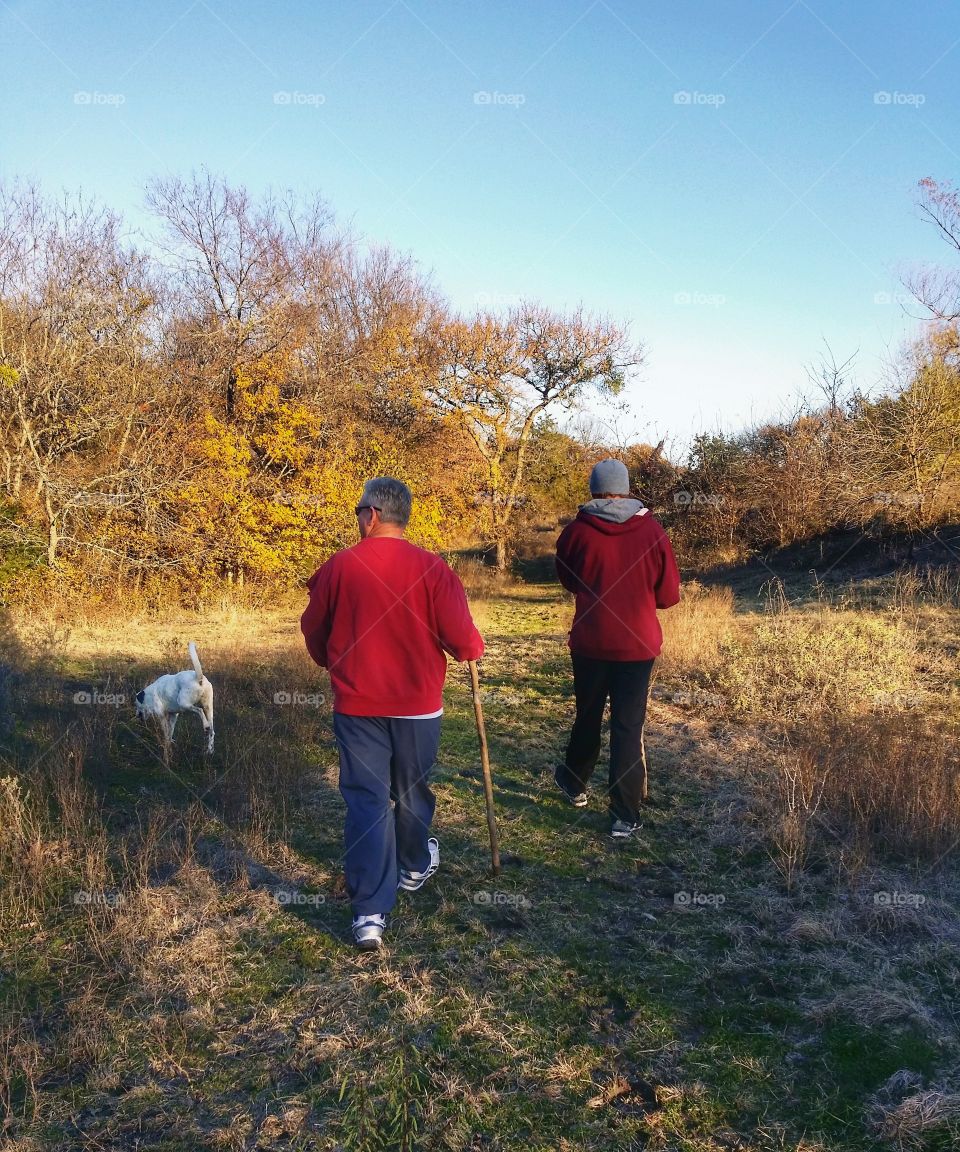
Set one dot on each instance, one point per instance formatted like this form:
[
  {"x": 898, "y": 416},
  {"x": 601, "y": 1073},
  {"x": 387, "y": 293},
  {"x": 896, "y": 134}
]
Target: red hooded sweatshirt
[
  {"x": 380, "y": 617},
  {"x": 621, "y": 574}
]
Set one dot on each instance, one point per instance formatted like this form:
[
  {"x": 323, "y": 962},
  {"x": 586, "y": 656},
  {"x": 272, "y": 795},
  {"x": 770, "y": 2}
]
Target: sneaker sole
[
  {"x": 406, "y": 883},
  {"x": 415, "y": 885},
  {"x": 373, "y": 944},
  {"x": 578, "y": 801}
]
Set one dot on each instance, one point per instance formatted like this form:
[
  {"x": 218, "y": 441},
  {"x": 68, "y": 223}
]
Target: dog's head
[{"x": 140, "y": 698}]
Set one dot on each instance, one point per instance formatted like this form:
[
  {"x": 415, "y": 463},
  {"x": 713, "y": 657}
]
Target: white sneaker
[
  {"x": 411, "y": 881},
  {"x": 622, "y": 830},
  {"x": 577, "y": 799},
  {"x": 368, "y": 931}
]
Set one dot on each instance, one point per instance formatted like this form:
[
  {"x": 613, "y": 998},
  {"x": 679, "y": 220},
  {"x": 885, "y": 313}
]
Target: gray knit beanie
[{"x": 610, "y": 476}]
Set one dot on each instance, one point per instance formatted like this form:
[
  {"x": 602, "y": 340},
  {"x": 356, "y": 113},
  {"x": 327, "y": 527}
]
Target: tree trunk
[
  {"x": 501, "y": 554},
  {"x": 231, "y": 391},
  {"x": 53, "y": 535}
]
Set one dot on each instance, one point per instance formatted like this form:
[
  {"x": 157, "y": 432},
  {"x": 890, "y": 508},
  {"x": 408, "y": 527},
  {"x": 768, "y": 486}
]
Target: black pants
[{"x": 627, "y": 683}]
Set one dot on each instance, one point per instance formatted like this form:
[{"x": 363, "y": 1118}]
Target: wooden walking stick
[{"x": 485, "y": 762}]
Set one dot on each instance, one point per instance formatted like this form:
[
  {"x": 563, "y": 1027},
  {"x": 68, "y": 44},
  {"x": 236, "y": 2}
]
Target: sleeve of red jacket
[
  {"x": 565, "y": 574},
  {"x": 667, "y": 590},
  {"x": 315, "y": 621},
  {"x": 458, "y": 634}
]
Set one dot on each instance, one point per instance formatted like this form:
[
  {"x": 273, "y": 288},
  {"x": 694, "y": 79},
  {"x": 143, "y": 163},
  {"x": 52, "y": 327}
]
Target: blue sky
[{"x": 737, "y": 181}]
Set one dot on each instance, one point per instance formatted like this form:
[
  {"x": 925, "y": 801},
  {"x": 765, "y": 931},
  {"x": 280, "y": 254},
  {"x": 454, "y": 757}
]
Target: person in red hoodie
[
  {"x": 381, "y": 617},
  {"x": 616, "y": 558}
]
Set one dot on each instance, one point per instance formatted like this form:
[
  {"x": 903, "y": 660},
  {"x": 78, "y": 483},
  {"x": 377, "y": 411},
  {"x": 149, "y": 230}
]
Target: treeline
[
  {"x": 207, "y": 407},
  {"x": 884, "y": 465},
  {"x": 884, "y": 461},
  {"x": 204, "y": 406}
]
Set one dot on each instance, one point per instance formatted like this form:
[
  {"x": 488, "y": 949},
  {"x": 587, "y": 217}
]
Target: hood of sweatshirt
[{"x": 606, "y": 513}]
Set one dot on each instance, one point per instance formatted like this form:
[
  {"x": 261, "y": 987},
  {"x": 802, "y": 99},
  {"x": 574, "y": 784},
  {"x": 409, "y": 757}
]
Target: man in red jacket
[
  {"x": 381, "y": 616},
  {"x": 618, "y": 561}
]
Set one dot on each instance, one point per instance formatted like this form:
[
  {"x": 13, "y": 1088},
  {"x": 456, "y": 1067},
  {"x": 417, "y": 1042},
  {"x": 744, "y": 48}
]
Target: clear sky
[{"x": 736, "y": 180}]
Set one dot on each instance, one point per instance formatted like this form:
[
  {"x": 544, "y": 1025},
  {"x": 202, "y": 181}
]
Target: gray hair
[{"x": 392, "y": 497}]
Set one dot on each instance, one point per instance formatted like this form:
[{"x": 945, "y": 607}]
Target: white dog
[{"x": 177, "y": 692}]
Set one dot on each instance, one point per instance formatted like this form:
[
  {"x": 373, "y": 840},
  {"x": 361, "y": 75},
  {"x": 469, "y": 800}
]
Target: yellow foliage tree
[{"x": 276, "y": 486}]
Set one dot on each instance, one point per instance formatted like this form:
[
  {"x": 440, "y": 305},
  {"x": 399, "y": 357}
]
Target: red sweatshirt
[
  {"x": 621, "y": 574},
  {"x": 380, "y": 616}
]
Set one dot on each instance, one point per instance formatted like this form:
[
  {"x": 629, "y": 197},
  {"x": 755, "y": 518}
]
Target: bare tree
[
  {"x": 832, "y": 380},
  {"x": 497, "y": 375},
  {"x": 938, "y": 289},
  {"x": 74, "y": 304},
  {"x": 232, "y": 260}
]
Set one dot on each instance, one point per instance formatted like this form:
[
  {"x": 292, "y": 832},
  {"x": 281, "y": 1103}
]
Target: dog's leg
[
  {"x": 166, "y": 731},
  {"x": 207, "y": 705},
  {"x": 207, "y": 722},
  {"x": 208, "y": 712}
]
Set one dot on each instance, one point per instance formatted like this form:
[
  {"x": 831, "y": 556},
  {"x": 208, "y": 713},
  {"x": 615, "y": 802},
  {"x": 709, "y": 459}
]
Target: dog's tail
[{"x": 195, "y": 661}]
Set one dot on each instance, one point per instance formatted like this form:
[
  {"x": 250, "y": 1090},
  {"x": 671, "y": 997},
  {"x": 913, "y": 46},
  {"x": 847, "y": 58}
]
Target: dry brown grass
[
  {"x": 859, "y": 703},
  {"x": 892, "y": 779},
  {"x": 193, "y": 879},
  {"x": 480, "y": 580},
  {"x": 919, "y": 1114},
  {"x": 905, "y": 1112},
  {"x": 696, "y": 631}
]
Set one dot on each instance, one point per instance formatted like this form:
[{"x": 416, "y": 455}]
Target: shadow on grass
[{"x": 568, "y": 999}]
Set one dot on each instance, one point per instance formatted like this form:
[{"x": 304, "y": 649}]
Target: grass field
[{"x": 773, "y": 964}]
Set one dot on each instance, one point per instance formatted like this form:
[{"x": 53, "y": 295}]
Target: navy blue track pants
[{"x": 385, "y": 766}]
